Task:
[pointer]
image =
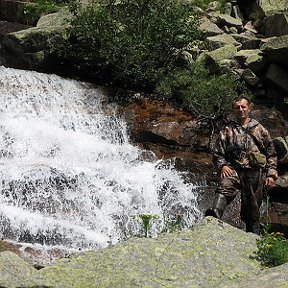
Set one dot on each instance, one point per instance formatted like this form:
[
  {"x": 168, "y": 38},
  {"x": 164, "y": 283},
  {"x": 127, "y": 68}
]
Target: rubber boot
[
  {"x": 219, "y": 206},
  {"x": 253, "y": 227}
]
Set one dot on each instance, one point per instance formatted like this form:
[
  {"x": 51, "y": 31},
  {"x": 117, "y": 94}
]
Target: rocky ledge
[{"x": 210, "y": 254}]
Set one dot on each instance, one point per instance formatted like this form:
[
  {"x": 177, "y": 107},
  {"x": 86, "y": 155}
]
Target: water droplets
[{"x": 70, "y": 176}]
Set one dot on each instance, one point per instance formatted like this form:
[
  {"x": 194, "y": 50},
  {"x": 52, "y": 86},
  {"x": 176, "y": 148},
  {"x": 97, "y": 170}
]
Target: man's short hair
[{"x": 239, "y": 98}]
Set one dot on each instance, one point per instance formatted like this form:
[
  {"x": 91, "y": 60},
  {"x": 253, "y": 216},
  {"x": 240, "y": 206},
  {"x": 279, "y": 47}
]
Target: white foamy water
[{"x": 69, "y": 177}]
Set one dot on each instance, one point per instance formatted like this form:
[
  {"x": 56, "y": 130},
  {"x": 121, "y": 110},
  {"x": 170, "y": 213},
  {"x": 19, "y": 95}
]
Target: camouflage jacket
[{"x": 236, "y": 142}]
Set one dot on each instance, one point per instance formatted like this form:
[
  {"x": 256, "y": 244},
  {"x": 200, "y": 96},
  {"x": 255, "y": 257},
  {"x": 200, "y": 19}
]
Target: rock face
[
  {"x": 261, "y": 44},
  {"x": 173, "y": 133},
  {"x": 13, "y": 270},
  {"x": 211, "y": 254},
  {"x": 208, "y": 255},
  {"x": 33, "y": 48}
]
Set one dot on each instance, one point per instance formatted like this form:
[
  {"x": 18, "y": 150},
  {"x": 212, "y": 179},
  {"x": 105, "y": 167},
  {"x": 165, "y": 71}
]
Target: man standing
[{"x": 246, "y": 160}]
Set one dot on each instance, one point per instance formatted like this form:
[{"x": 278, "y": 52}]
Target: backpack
[{"x": 281, "y": 147}]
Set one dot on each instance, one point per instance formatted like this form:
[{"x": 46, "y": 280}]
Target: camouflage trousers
[{"x": 250, "y": 183}]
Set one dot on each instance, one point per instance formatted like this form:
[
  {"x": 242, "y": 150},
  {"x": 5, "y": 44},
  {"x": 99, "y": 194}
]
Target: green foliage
[
  {"x": 147, "y": 222},
  {"x": 272, "y": 249},
  {"x": 131, "y": 43},
  {"x": 33, "y": 10},
  {"x": 206, "y": 95},
  {"x": 174, "y": 224}
]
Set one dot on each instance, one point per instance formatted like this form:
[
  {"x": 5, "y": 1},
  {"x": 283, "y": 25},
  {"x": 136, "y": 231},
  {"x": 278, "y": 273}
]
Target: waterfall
[{"x": 69, "y": 175}]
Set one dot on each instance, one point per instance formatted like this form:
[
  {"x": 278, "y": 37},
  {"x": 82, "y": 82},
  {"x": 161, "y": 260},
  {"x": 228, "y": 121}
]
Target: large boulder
[
  {"x": 277, "y": 77},
  {"x": 33, "y": 48},
  {"x": 229, "y": 21},
  {"x": 57, "y": 19},
  {"x": 209, "y": 254},
  {"x": 214, "y": 59},
  {"x": 276, "y": 50},
  {"x": 269, "y": 7},
  {"x": 274, "y": 277},
  {"x": 13, "y": 270},
  {"x": 275, "y": 25},
  {"x": 209, "y": 28},
  {"x": 221, "y": 40},
  {"x": 253, "y": 59}
]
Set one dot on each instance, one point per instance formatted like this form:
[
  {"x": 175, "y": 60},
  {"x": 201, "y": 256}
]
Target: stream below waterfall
[{"x": 70, "y": 177}]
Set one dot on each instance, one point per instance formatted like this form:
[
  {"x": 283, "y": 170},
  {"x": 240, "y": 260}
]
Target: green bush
[
  {"x": 272, "y": 249},
  {"x": 131, "y": 43},
  {"x": 147, "y": 222},
  {"x": 206, "y": 95},
  {"x": 138, "y": 44}
]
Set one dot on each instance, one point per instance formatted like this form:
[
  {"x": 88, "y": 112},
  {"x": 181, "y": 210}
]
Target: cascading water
[{"x": 69, "y": 176}]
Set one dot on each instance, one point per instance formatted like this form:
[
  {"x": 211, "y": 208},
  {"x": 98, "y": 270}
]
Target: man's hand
[
  {"x": 270, "y": 182},
  {"x": 226, "y": 171}
]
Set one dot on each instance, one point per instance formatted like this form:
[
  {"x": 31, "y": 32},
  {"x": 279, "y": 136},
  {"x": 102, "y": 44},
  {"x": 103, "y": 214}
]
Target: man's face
[{"x": 241, "y": 109}]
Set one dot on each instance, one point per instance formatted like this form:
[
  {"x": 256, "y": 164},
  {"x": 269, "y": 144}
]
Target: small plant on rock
[
  {"x": 272, "y": 249},
  {"x": 147, "y": 222},
  {"x": 174, "y": 224}
]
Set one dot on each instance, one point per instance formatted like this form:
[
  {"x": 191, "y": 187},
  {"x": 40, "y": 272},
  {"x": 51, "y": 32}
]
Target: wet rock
[
  {"x": 156, "y": 121},
  {"x": 14, "y": 270},
  {"x": 37, "y": 257}
]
